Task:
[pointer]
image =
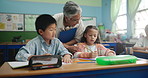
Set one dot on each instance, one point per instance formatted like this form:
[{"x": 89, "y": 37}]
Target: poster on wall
[
  {"x": 11, "y": 22},
  {"x": 30, "y": 22},
  {"x": 89, "y": 21}
]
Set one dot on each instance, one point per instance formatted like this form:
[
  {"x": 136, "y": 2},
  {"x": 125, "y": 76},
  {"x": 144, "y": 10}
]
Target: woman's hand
[{"x": 73, "y": 49}]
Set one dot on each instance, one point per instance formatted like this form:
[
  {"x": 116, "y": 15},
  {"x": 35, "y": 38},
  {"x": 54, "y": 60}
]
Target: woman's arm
[{"x": 72, "y": 42}]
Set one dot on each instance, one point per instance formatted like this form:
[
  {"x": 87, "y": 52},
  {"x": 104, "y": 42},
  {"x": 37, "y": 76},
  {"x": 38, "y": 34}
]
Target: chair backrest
[{"x": 129, "y": 50}]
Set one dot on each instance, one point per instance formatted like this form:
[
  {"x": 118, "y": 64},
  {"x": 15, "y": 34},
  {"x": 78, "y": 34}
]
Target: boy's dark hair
[
  {"x": 83, "y": 39},
  {"x": 43, "y": 21}
]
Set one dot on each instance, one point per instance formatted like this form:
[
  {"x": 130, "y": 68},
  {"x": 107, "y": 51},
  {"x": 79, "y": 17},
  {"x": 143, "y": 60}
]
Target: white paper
[{"x": 18, "y": 64}]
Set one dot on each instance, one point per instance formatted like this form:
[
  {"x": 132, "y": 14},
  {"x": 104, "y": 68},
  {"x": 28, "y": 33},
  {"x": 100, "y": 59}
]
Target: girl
[{"x": 90, "y": 46}]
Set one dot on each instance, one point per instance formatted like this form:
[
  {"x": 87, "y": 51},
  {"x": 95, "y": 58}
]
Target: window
[
  {"x": 121, "y": 21},
  {"x": 141, "y": 18}
]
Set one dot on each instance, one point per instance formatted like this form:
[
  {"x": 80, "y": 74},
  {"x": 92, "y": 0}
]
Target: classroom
[{"x": 93, "y": 31}]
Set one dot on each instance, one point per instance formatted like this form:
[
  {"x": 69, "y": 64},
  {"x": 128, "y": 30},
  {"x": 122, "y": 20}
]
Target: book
[
  {"x": 66, "y": 36},
  {"x": 15, "y": 64}
]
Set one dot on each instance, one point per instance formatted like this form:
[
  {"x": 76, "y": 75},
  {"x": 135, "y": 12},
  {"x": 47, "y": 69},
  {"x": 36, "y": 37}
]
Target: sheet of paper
[
  {"x": 63, "y": 63},
  {"x": 18, "y": 64},
  {"x": 141, "y": 61}
]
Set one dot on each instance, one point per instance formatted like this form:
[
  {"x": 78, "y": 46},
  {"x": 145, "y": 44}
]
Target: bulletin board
[
  {"x": 26, "y": 22},
  {"x": 89, "y": 21},
  {"x": 11, "y": 22},
  {"x": 30, "y": 22}
]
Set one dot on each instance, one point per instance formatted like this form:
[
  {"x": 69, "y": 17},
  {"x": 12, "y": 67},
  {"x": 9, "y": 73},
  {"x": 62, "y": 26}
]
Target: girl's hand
[
  {"x": 84, "y": 55},
  {"x": 67, "y": 58},
  {"x": 111, "y": 54},
  {"x": 94, "y": 54},
  {"x": 88, "y": 54}
]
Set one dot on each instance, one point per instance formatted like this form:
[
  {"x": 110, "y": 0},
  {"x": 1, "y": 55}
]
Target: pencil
[{"x": 86, "y": 62}]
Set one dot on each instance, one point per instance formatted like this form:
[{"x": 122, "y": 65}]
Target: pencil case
[
  {"x": 45, "y": 61},
  {"x": 113, "y": 60}
]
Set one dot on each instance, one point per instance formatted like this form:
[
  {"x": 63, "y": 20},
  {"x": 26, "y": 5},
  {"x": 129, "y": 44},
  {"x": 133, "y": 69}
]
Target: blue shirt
[{"x": 38, "y": 46}]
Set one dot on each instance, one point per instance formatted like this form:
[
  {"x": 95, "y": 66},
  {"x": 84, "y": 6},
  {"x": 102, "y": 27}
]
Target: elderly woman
[
  {"x": 142, "y": 43},
  {"x": 68, "y": 20}
]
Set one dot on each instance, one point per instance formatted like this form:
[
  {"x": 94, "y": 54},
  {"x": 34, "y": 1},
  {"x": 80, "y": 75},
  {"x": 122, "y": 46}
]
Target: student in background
[
  {"x": 70, "y": 19},
  {"x": 45, "y": 43},
  {"x": 142, "y": 43},
  {"x": 90, "y": 46}
]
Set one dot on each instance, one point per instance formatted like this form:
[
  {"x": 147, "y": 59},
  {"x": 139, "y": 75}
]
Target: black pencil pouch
[{"x": 45, "y": 61}]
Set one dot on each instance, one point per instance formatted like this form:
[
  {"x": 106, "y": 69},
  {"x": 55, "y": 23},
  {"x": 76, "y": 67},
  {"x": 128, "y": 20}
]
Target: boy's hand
[{"x": 67, "y": 58}]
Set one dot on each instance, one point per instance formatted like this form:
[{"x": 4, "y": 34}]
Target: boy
[{"x": 45, "y": 43}]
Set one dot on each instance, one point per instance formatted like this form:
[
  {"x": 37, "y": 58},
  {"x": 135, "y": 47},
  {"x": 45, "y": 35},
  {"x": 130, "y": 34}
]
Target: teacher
[{"x": 70, "y": 21}]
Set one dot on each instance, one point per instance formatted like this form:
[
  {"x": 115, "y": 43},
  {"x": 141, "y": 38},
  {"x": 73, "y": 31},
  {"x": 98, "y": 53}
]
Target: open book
[{"x": 16, "y": 64}]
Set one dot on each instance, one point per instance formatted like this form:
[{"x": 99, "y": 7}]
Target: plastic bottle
[{"x": 113, "y": 60}]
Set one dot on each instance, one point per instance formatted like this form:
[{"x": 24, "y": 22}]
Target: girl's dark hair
[
  {"x": 43, "y": 21},
  {"x": 83, "y": 39}
]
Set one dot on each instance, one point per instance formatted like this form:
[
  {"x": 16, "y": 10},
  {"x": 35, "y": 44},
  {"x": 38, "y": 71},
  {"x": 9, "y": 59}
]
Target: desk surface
[
  {"x": 7, "y": 71},
  {"x": 140, "y": 54},
  {"x": 12, "y": 43},
  {"x": 142, "y": 51}
]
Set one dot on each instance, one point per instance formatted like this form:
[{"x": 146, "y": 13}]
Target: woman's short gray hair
[{"x": 71, "y": 8}]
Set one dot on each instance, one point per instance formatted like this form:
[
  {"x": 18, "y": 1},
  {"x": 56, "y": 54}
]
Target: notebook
[{"x": 66, "y": 36}]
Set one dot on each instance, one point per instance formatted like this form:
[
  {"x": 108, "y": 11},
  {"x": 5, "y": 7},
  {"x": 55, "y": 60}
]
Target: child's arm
[
  {"x": 103, "y": 51},
  {"x": 22, "y": 55},
  {"x": 26, "y": 51},
  {"x": 82, "y": 54},
  {"x": 86, "y": 54}
]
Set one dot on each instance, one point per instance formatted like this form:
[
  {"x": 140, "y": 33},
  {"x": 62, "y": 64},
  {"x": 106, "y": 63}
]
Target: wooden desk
[
  {"x": 110, "y": 45},
  {"x": 10, "y": 45},
  {"x": 141, "y": 53},
  {"x": 74, "y": 70}
]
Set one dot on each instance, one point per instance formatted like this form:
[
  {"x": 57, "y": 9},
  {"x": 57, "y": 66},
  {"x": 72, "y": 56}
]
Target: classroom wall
[
  {"x": 89, "y": 7},
  {"x": 106, "y": 20}
]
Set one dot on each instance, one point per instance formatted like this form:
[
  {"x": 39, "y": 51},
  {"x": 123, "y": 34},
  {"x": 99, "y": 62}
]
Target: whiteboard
[{"x": 11, "y": 22}]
